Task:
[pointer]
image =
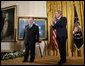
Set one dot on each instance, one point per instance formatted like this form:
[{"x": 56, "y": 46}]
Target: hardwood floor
[{"x": 47, "y": 60}]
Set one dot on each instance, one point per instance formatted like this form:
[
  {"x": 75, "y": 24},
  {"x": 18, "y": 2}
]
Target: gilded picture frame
[
  {"x": 8, "y": 30},
  {"x": 39, "y": 21}
]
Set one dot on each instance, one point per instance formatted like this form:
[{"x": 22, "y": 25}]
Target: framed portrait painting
[
  {"x": 40, "y": 22},
  {"x": 8, "y": 23}
]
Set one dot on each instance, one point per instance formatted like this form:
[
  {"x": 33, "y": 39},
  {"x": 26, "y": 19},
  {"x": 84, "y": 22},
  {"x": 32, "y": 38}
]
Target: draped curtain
[
  {"x": 80, "y": 11},
  {"x": 67, "y": 7}
]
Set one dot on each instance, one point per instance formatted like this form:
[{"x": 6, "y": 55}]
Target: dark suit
[
  {"x": 31, "y": 36},
  {"x": 60, "y": 27}
]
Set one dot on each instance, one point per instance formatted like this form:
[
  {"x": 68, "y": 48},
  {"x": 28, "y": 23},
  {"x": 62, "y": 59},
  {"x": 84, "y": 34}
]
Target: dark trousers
[
  {"x": 29, "y": 48},
  {"x": 62, "y": 48}
]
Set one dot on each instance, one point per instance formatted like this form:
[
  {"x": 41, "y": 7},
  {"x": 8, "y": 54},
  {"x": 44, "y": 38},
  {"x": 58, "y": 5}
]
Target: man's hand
[{"x": 54, "y": 21}]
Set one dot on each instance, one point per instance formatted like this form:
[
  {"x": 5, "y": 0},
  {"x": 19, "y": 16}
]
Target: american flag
[{"x": 54, "y": 37}]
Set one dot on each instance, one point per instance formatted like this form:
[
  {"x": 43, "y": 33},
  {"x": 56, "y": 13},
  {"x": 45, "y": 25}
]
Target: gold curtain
[
  {"x": 67, "y": 7},
  {"x": 70, "y": 22},
  {"x": 80, "y": 11}
]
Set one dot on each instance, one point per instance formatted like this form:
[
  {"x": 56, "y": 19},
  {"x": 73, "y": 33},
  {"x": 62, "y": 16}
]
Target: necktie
[{"x": 30, "y": 26}]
